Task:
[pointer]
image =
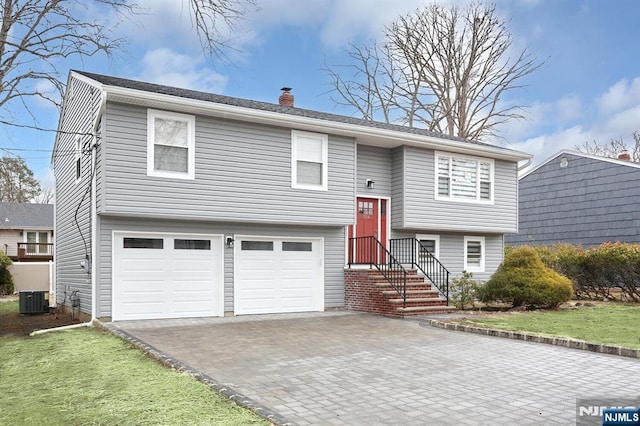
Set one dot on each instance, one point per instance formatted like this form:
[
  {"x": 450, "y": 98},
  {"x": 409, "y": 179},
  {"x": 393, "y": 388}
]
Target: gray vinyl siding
[
  {"x": 397, "y": 187},
  {"x": 588, "y": 202},
  {"x": 242, "y": 173},
  {"x": 422, "y": 210},
  {"x": 374, "y": 163},
  {"x": 334, "y": 256},
  {"x": 70, "y": 242},
  {"x": 452, "y": 251}
]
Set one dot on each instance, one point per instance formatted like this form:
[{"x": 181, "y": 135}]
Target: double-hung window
[
  {"x": 170, "y": 144},
  {"x": 474, "y": 254},
  {"x": 309, "y": 158},
  {"x": 463, "y": 178}
]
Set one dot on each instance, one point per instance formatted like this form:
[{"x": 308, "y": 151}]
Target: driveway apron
[{"x": 338, "y": 368}]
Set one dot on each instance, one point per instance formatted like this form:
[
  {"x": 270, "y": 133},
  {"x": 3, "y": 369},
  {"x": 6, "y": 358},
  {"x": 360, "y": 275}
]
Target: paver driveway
[{"x": 359, "y": 369}]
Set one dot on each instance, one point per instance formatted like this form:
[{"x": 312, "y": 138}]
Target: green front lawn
[
  {"x": 608, "y": 323},
  {"x": 89, "y": 377}
]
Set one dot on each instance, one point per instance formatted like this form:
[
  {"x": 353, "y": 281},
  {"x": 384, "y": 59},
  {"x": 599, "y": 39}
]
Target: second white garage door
[{"x": 276, "y": 275}]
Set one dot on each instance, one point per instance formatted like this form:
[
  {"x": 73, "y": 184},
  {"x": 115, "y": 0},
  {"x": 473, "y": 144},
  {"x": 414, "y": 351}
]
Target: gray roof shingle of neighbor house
[
  {"x": 272, "y": 107},
  {"x": 578, "y": 198},
  {"x": 26, "y": 216}
]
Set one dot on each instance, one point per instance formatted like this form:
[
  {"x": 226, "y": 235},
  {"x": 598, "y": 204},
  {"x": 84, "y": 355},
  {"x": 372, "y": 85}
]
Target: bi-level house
[{"x": 177, "y": 203}]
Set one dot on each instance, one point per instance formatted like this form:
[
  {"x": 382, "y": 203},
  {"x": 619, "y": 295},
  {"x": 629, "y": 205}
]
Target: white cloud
[
  {"x": 336, "y": 22},
  {"x": 165, "y": 66},
  {"x": 620, "y": 96},
  {"x": 618, "y": 116}
]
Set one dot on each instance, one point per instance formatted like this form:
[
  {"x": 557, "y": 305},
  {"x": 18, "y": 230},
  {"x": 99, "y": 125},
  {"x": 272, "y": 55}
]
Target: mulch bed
[{"x": 15, "y": 324}]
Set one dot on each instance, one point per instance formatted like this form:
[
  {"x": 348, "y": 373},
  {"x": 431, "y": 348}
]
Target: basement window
[{"x": 474, "y": 254}]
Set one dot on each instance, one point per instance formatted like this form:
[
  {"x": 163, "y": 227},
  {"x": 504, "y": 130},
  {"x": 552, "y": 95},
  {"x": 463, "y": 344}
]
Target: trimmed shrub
[
  {"x": 6, "y": 280},
  {"x": 523, "y": 280},
  {"x": 463, "y": 290},
  {"x": 607, "y": 271}
]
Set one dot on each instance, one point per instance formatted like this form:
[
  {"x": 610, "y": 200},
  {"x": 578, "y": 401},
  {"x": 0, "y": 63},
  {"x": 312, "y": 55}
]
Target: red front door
[{"x": 371, "y": 221}]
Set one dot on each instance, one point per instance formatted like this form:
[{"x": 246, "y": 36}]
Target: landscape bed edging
[{"x": 537, "y": 338}]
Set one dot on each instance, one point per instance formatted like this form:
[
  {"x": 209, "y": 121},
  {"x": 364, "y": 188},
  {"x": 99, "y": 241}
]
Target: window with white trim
[
  {"x": 474, "y": 254},
  {"x": 170, "y": 144},
  {"x": 428, "y": 243},
  {"x": 464, "y": 178},
  {"x": 309, "y": 158}
]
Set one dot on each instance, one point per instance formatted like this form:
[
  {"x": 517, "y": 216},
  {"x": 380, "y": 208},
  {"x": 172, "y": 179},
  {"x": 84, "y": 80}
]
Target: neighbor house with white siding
[{"x": 176, "y": 203}]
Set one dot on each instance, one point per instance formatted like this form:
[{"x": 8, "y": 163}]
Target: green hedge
[
  {"x": 6, "y": 280},
  {"x": 523, "y": 280},
  {"x": 607, "y": 271}
]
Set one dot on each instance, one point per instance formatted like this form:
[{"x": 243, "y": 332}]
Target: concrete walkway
[{"x": 342, "y": 368}]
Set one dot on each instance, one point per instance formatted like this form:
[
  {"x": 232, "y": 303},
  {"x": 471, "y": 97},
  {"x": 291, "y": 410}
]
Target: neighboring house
[
  {"x": 26, "y": 231},
  {"x": 193, "y": 204},
  {"x": 580, "y": 199}
]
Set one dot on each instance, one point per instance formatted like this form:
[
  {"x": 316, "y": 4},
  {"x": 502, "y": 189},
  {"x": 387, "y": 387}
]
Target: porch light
[
  {"x": 229, "y": 242},
  {"x": 370, "y": 184}
]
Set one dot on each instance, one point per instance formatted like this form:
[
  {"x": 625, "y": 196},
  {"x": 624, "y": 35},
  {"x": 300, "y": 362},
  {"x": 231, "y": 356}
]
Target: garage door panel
[
  {"x": 168, "y": 282},
  {"x": 292, "y": 282}
]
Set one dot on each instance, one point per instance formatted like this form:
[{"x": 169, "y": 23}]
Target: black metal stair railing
[
  {"x": 370, "y": 251},
  {"x": 410, "y": 251}
]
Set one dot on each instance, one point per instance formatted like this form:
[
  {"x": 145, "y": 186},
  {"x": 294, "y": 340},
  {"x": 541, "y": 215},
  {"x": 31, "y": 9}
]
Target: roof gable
[{"x": 583, "y": 155}]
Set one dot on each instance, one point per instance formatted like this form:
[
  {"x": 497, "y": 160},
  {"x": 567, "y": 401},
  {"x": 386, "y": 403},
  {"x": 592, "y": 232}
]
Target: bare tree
[
  {"x": 47, "y": 195},
  {"x": 440, "y": 67},
  {"x": 36, "y": 36},
  {"x": 614, "y": 147},
  {"x": 215, "y": 18}
]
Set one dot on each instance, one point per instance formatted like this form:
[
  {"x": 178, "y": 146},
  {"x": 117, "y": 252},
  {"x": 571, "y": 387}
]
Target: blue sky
[{"x": 588, "y": 89}]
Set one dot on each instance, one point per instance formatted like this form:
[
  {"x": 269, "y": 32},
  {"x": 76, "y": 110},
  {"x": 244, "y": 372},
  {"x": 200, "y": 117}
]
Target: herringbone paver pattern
[{"x": 358, "y": 369}]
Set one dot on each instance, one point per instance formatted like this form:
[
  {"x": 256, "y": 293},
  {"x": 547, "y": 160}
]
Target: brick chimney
[
  {"x": 624, "y": 155},
  {"x": 286, "y": 99}
]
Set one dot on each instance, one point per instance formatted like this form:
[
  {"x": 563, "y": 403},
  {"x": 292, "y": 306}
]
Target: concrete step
[
  {"x": 425, "y": 300},
  {"x": 413, "y": 293},
  {"x": 425, "y": 310}
]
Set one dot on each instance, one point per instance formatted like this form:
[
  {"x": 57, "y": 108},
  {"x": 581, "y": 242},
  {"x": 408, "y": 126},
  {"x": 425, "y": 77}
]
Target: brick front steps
[{"x": 369, "y": 291}]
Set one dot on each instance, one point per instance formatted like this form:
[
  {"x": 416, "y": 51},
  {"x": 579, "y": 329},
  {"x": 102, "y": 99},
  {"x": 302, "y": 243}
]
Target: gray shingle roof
[
  {"x": 265, "y": 106},
  {"x": 26, "y": 216}
]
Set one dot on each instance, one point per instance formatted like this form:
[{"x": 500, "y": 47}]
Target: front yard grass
[
  {"x": 608, "y": 323},
  {"x": 89, "y": 377}
]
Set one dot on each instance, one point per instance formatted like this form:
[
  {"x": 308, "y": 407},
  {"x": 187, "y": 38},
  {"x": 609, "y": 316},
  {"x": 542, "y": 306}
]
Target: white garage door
[
  {"x": 166, "y": 276},
  {"x": 274, "y": 275}
]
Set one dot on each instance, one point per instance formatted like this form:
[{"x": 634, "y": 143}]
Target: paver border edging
[
  {"x": 537, "y": 338},
  {"x": 181, "y": 367}
]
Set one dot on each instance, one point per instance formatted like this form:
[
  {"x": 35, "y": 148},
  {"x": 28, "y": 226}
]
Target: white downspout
[
  {"x": 94, "y": 208},
  {"x": 94, "y": 230}
]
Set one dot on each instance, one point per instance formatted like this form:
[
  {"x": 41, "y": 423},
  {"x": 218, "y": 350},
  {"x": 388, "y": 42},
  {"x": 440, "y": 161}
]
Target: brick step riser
[{"x": 421, "y": 288}]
